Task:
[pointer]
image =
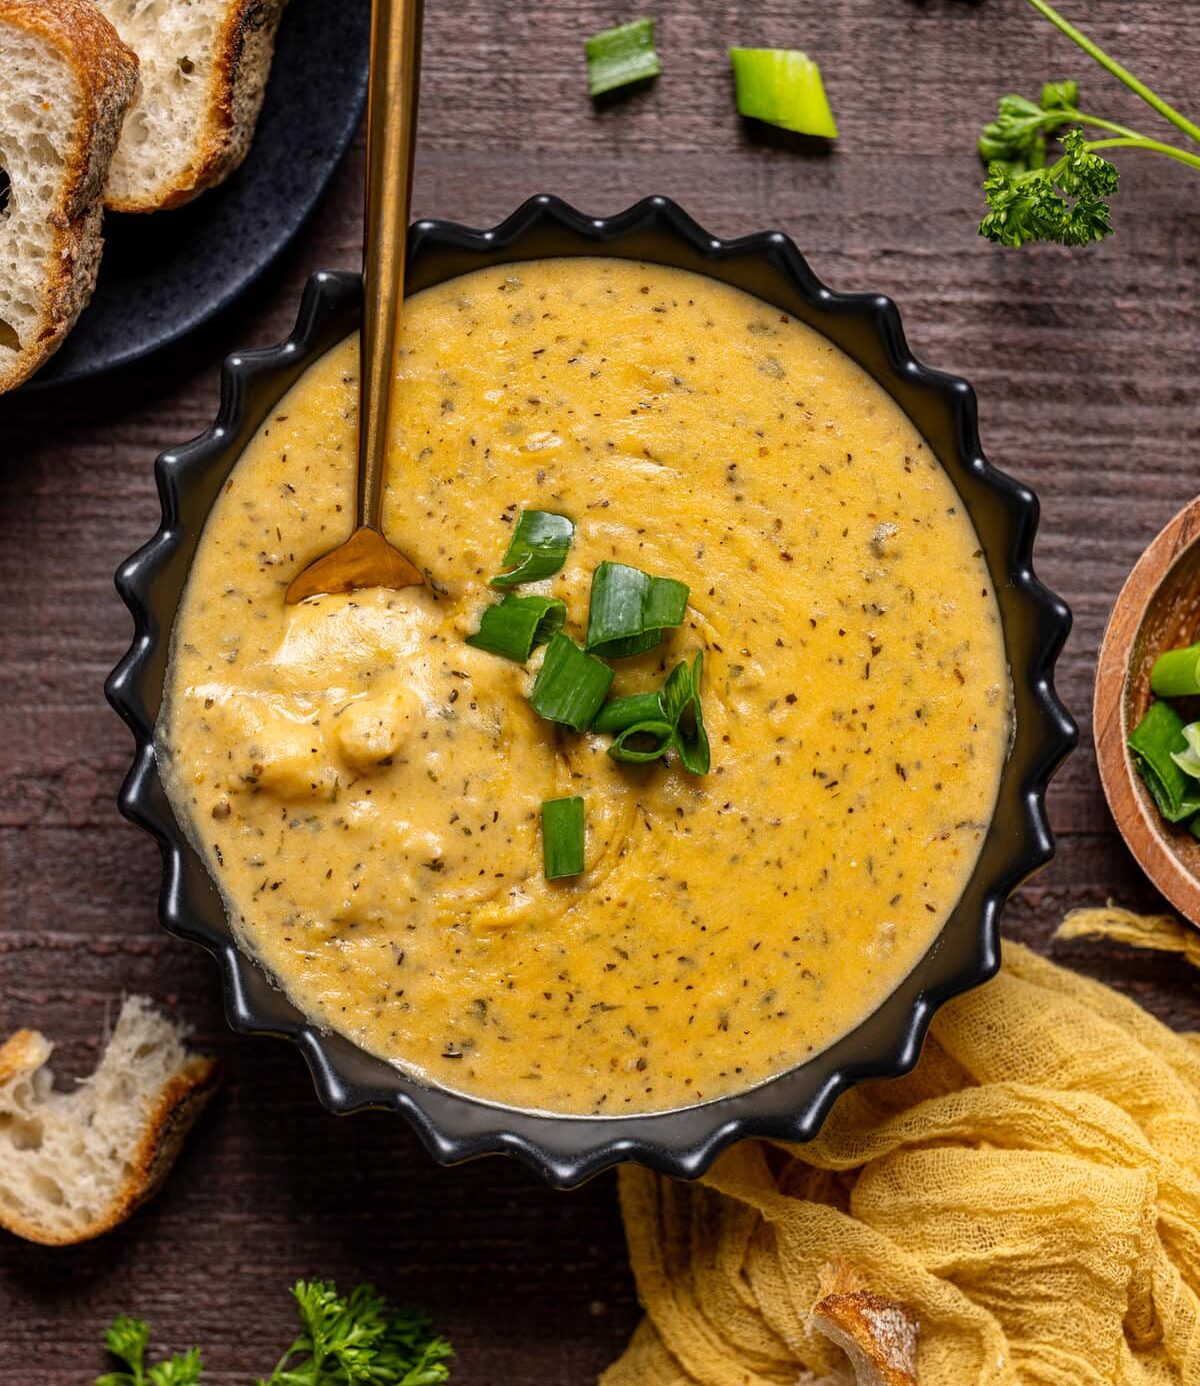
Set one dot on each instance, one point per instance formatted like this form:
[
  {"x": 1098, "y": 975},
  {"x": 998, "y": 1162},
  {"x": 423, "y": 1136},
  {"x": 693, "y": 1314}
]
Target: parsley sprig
[
  {"x": 353, "y": 1340},
  {"x": 127, "y": 1340},
  {"x": 1031, "y": 198}
]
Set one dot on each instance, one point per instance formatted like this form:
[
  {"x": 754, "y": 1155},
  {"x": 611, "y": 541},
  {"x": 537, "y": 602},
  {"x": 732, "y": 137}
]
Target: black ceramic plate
[
  {"x": 164, "y": 275},
  {"x": 566, "y": 1150}
]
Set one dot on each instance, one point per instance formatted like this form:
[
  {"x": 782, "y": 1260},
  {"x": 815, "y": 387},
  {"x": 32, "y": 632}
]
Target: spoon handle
[{"x": 393, "y": 93}]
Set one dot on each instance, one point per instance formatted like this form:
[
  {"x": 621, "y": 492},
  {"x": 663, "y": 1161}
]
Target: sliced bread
[
  {"x": 74, "y": 1164},
  {"x": 205, "y": 65},
  {"x": 67, "y": 80},
  {"x": 878, "y": 1335}
]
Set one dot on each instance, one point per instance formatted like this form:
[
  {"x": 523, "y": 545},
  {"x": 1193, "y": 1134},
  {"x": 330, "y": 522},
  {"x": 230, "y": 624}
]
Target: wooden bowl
[{"x": 1158, "y": 609}]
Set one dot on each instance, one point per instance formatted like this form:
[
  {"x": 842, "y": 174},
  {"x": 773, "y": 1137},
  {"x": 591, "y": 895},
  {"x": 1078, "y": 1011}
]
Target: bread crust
[
  {"x": 242, "y": 64},
  {"x": 180, "y": 1102},
  {"x": 107, "y": 72},
  {"x": 878, "y": 1335}
]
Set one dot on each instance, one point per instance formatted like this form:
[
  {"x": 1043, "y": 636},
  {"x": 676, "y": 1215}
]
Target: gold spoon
[{"x": 366, "y": 559}]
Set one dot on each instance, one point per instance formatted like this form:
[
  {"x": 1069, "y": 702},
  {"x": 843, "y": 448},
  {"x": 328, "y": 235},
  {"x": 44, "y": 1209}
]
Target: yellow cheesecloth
[{"x": 1031, "y": 1193}]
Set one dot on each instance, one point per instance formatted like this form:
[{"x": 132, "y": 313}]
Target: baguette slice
[
  {"x": 878, "y": 1335},
  {"x": 205, "y": 65},
  {"x": 66, "y": 80},
  {"x": 74, "y": 1164}
]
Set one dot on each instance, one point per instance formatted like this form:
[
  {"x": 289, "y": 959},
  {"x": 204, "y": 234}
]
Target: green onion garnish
[
  {"x": 1151, "y": 743},
  {"x": 570, "y": 686},
  {"x": 562, "y": 837},
  {"x": 642, "y": 742},
  {"x": 619, "y": 713},
  {"x": 617, "y": 57},
  {"x": 784, "y": 88},
  {"x": 1189, "y": 760},
  {"x": 1176, "y": 674},
  {"x": 686, "y": 712},
  {"x": 516, "y": 625},
  {"x": 650, "y": 725},
  {"x": 630, "y": 610},
  {"x": 538, "y": 549}
]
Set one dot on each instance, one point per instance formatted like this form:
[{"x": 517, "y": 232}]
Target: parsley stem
[
  {"x": 1100, "y": 124},
  {"x": 1151, "y": 147},
  {"x": 1152, "y": 99}
]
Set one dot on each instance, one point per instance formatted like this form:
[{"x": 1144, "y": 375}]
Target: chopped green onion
[
  {"x": 516, "y": 625},
  {"x": 678, "y": 690},
  {"x": 1176, "y": 674},
  {"x": 642, "y": 742},
  {"x": 784, "y": 88},
  {"x": 538, "y": 549},
  {"x": 632, "y": 645},
  {"x": 570, "y": 686},
  {"x": 650, "y": 725},
  {"x": 562, "y": 837},
  {"x": 1189, "y": 760},
  {"x": 618, "y": 57},
  {"x": 619, "y": 713},
  {"x": 630, "y": 610},
  {"x": 1151, "y": 743},
  {"x": 691, "y": 740}
]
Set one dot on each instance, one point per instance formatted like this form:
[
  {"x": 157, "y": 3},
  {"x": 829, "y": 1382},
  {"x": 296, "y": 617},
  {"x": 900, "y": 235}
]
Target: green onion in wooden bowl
[{"x": 1146, "y": 705}]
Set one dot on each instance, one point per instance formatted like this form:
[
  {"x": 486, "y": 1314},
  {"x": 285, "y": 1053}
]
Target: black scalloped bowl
[{"x": 566, "y": 1150}]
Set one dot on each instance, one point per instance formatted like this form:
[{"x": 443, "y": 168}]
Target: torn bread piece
[
  {"x": 205, "y": 65},
  {"x": 67, "y": 81},
  {"x": 74, "y": 1164},
  {"x": 878, "y": 1335}
]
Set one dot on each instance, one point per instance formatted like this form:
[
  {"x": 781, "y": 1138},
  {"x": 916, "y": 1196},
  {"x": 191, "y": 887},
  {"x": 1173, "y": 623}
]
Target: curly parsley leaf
[
  {"x": 351, "y": 1340},
  {"x": 177, "y": 1371},
  {"x": 359, "y": 1339},
  {"x": 1066, "y": 203},
  {"x": 1017, "y": 137},
  {"x": 127, "y": 1340}
]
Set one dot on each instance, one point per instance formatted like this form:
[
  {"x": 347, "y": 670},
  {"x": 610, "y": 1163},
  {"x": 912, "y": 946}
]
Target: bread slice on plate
[
  {"x": 205, "y": 65},
  {"x": 66, "y": 80},
  {"x": 74, "y": 1164}
]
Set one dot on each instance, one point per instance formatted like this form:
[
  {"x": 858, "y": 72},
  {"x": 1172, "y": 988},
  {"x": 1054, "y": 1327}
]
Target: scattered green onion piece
[
  {"x": 691, "y": 740},
  {"x": 784, "y": 88},
  {"x": 571, "y": 686},
  {"x": 515, "y": 626},
  {"x": 1176, "y": 674},
  {"x": 538, "y": 548},
  {"x": 1156, "y": 736},
  {"x": 1189, "y": 760},
  {"x": 621, "y": 56},
  {"x": 562, "y": 837},
  {"x": 642, "y": 742},
  {"x": 678, "y": 690},
  {"x": 630, "y": 610},
  {"x": 619, "y": 713},
  {"x": 632, "y": 645},
  {"x": 650, "y": 725}
]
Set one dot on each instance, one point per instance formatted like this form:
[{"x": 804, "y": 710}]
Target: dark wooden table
[{"x": 1085, "y": 364}]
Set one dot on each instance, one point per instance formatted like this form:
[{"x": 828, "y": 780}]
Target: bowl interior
[
  {"x": 1158, "y": 609},
  {"x": 681, "y": 1142}
]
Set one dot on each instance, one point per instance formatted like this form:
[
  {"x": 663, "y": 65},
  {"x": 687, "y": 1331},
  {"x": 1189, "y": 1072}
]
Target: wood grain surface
[{"x": 1085, "y": 364}]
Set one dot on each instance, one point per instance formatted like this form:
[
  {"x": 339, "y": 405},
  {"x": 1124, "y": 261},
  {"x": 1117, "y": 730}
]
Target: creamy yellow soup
[{"x": 366, "y": 787}]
